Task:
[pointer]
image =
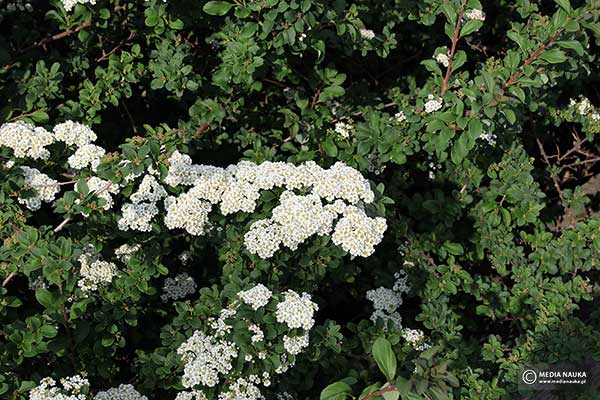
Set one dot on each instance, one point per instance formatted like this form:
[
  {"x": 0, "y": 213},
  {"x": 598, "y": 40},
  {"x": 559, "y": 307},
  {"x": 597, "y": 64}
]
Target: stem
[
  {"x": 8, "y": 278},
  {"x": 69, "y": 338},
  {"x": 53, "y": 184},
  {"x": 386, "y": 389},
  {"x": 531, "y": 59},
  {"x": 62, "y": 225},
  {"x": 60, "y": 35},
  {"x": 453, "y": 49}
]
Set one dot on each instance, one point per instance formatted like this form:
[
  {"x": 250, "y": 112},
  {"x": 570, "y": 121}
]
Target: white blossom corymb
[
  {"x": 256, "y": 297},
  {"x": 433, "y": 104},
  {"x": 44, "y": 187},
  {"x": 73, "y": 388},
  {"x": 295, "y": 344},
  {"x": 205, "y": 358},
  {"x": 258, "y": 334},
  {"x": 237, "y": 189},
  {"x": 343, "y": 129},
  {"x": 178, "y": 287},
  {"x": 88, "y": 155},
  {"x": 443, "y": 59},
  {"x": 296, "y": 311},
  {"x": 137, "y": 216},
  {"x": 367, "y": 34},
  {"x": 416, "y": 338},
  {"x": 103, "y": 189},
  {"x": 122, "y": 392},
  {"x": 386, "y": 302},
  {"x": 149, "y": 190},
  {"x": 400, "y": 116},
  {"x": 25, "y": 140},
  {"x": 70, "y": 4},
  {"x": 357, "y": 233},
  {"x": 74, "y": 133},
  {"x": 125, "y": 251},
  {"x": 242, "y": 389},
  {"x": 475, "y": 14},
  {"x": 191, "y": 395},
  {"x": 94, "y": 272}
]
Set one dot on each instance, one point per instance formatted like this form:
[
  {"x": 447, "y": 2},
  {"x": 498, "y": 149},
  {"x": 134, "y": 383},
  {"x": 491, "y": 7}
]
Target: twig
[
  {"x": 453, "y": 48},
  {"x": 130, "y": 117},
  {"x": 58, "y": 36},
  {"x": 53, "y": 184},
  {"x": 204, "y": 126},
  {"x": 315, "y": 98},
  {"x": 8, "y": 278},
  {"x": 386, "y": 389},
  {"x": 117, "y": 47},
  {"x": 62, "y": 225},
  {"x": 69, "y": 337},
  {"x": 554, "y": 178},
  {"x": 531, "y": 59}
]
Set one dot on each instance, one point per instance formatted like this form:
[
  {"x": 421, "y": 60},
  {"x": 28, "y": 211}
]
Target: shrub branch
[{"x": 453, "y": 49}]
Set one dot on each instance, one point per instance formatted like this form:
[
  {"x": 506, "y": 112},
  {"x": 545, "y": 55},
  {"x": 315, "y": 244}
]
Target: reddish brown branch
[
  {"x": 386, "y": 389},
  {"x": 315, "y": 98},
  {"x": 453, "y": 48},
  {"x": 117, "y": 47},
  {"x": 58, "y": 36},
  {"x": 204, "y": 126},
  {"x": 531, "y": 59}
]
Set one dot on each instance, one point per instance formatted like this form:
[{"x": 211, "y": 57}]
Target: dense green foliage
[{"x": 486, "y": 169}]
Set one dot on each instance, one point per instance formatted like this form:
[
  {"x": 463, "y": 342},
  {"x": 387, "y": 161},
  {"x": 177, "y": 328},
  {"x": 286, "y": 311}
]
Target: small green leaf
[
  {"x": 219, "y": 8},
  {"x": 385, "y": 358},
  {"x": 40, "y": 116},
  {"x": 336, "y": 391}
]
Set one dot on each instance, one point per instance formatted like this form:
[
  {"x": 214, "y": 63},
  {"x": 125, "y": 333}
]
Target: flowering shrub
[{"x": 300, "y": 199}]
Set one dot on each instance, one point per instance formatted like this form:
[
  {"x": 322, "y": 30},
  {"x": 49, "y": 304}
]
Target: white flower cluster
[
  {"x": 178, "y": 287},
  {"x": 123, "y": 392},
  {"x": 74, "y": 133},
  {"x": 475, "y": 14},
  {"x": 256, "y": 297},
  {"x": 386, "y": 302},
  {"x": 94, "y": 272},
  {"x": 443, "y": 59},
  {"x": 295, "y": 344},
  {"x": 44, "y": 187},
  {"x": 125, "y": 251},
  {"x": 103, "y": 189},
  {"x": 88, "y": 155},
  {"x": 416, "y": 338},
  {"x": 584, "y": 107},
  {"x": 343, "y": 129},
  {"x": 237, "y": 189},
  {"x": 191, "y": 395},
  {"x": 139, "y": 214},
  {"x": 37, "y": 283},
  {"x": 26, "y": 140},
  {"x": 73, "y": 388},
  {"x": 70, "y": 4},
  {"x": 209, "y": 356},
  {"x": 367, "y": 34},
  {"x": 296, "y": 311},
  {"x": 400, "y": 116},
  {"x": 433, "y": 104},
  {"x": 205, "y": 358},
  {"x": 14, "y": 5}
]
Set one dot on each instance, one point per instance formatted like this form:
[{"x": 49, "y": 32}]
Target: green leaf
[
  {"x": 571, "y": 44},
  {"x": 453, "y": 248},
  {"x": 385, "y": 358},
  {"x": 336, "y": 391},
  {"x": 565, "y": 5},
  {"x": 219, "y": 8},
  {"x": 47, "y": 299},
  {"x": 40, "y": 116},
  {"x": 553, "y": 56}
]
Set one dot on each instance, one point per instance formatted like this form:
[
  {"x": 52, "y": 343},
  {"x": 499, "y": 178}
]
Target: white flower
[
  {"x": 205, "y": 358},
  {"x": 258, "y": 334},
  {"x": 44, "y": 188},
  {"x": 125, "y": 251},
  {"x": 256, "y": 297},
  {"x": 25, "y": 140},
  {"x": 386, "y": 302},
  {"x": 149, "y": 190},
  {"x": 443, "y": 59},
  {"x": 187, "y": 212},
  {"x": 71, "y": 389},
  {"x": 295, "y": 344},
  {"x": 123, "y": 392},
  {"x": 103, "y": 189},
  {"x": 193, "y": 395},
  {"x": 70, "y": 4},
  {"x": 94, "y": 272},
  {"x": 596, "y": 116},
  {"x": 367, "y": 34},
  {"x": 74, "y": 133},
  {"x": 137, "y": 216},
  {"x": 178, "y": 287},
  {"x": 475, "y": 14},
  {"x": 88, "y": 155},
  {"x": 433, "y": 104},
  {"x": 400, "y": 117},
  {"x": 296, "y": 311},
  {"x": 343, "y": 129},
  {"x": 357, "y": 233}
]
